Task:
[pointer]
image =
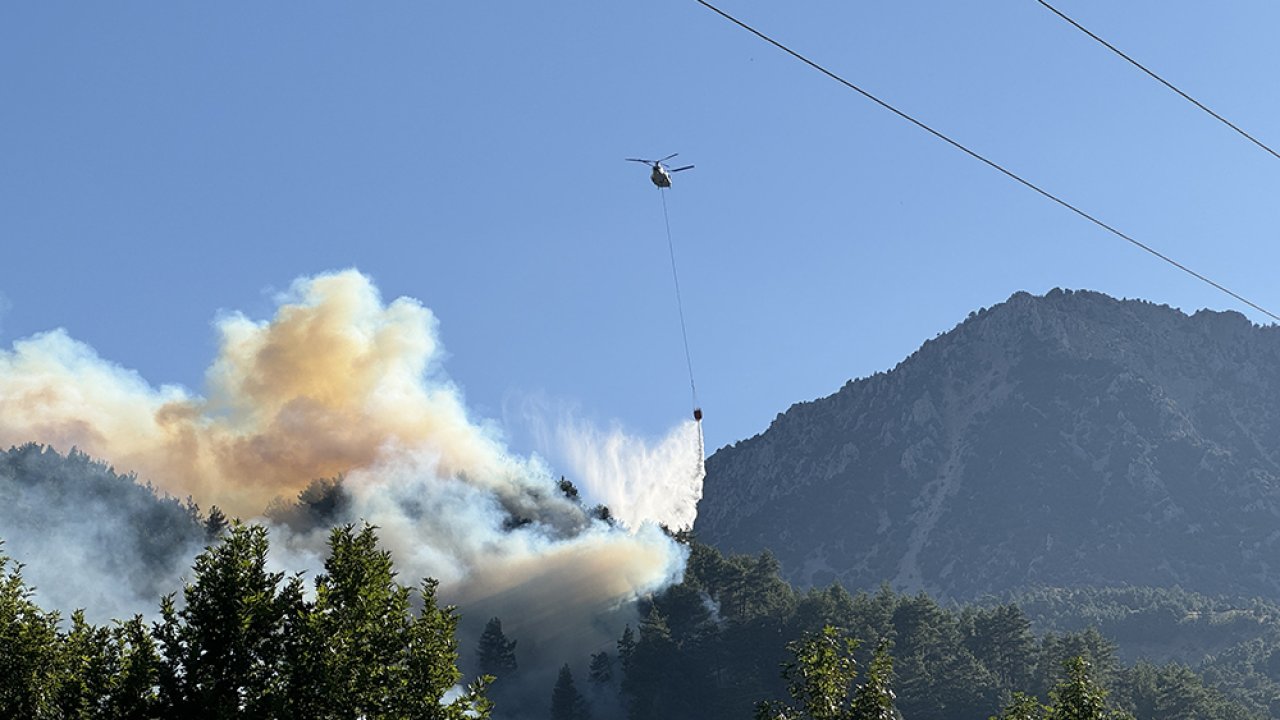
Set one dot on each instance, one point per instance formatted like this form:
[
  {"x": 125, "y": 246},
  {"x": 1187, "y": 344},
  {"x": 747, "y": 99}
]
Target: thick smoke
[{"x": 340, "y": 384}]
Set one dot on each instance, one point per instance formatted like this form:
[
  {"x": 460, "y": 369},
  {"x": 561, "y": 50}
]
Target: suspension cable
[{"x": 684, "y": 335}]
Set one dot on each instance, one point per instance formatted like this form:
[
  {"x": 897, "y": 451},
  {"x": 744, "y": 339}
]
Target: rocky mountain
[{"x": 1060, "y": 440}]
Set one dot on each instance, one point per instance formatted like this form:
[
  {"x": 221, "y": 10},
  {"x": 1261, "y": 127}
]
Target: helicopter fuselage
[{"x": 660, "y": 177}]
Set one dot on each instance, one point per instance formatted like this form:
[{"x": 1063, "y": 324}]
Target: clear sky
[{"x": 163, "y": 162}]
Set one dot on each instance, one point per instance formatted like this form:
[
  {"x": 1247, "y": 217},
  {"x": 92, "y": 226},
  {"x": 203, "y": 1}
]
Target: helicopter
[{"x": 661, "y": 176}]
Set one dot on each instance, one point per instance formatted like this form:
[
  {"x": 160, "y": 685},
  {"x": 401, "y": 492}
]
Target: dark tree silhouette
[{"x": 496, "y": 654}]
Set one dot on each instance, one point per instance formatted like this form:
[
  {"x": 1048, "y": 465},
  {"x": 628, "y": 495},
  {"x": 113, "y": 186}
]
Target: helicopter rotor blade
[
  {"x": 646, "y": 162},
  {"x": 686, "y": 167},
  {"x": 668, "y": 157}
]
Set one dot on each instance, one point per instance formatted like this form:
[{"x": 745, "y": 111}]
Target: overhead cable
[
  {"x": 1162, "y": 81},
  {"x": 990, "y": 163}
]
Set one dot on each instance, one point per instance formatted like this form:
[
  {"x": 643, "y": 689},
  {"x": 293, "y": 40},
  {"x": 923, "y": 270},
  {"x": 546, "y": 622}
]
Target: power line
[
  {"x": 1162, "y": 81},
  {"x": 990, "y": 163}
]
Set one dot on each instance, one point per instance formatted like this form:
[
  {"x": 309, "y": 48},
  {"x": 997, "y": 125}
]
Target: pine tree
[
  {"x": 648, "y": 676},
  {"x": 215, "y": 524},
  {"x": 495, "y": 654},
  {"x": 1180, "y": 694},
  {"x": 626, "y": 647},
  {"x": 1078, "y": 697},
  {"x": 1023, "y": 707},
  {"x": 566, "y": 702},
  {"x": 1003, "y": 641},
  {"x": 601, "y": 671}
]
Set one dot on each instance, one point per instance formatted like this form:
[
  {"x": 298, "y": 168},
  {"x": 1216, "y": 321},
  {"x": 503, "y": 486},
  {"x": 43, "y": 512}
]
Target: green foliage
[
  {"x": 1022, "y": 707},
  {"x": 362, "y": 652},
  {"x": 875, "y": 699},
  {"x": 1229, "y": 642},
  {"x": 941, "y": 675},
  {"x": 821, "y": 676},
  {"x": 820, "y": 680},
  {"x": 1173, "y": 692},
  {"x": 363, "y": 614},
  {"x": 1057, "y": 650},
  {"x": 244, "y": 644},
  {"x": 28, "y": 649},
  {"x": 650, "y": 678},
  {"x": 432, "y": 666},
  {"x": 134, "y": 693},
  {"x": 1141, "y": 620},
  {"x": 715, "y": 641},
  {"x": 1076, "y": 697},
  {"x": 86, "y": 672},
  {"x": 85, "y": 669},
  {"x": 1002, "y": 637},
  {"x": 225, "y": 648},
  {"x": 1079, "y": 697},
  {"x": 747, "y": 588}
]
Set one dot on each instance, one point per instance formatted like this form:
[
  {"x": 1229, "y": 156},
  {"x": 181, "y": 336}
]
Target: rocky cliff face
[{"x": 1059, "y": 440}]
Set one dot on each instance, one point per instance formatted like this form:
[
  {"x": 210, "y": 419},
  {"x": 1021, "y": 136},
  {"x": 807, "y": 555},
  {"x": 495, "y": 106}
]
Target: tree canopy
[{"x": 245, "y": 642}]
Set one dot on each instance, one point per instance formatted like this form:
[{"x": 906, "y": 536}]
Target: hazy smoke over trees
[
  {"x": 94, "y": 539},
  {"x": 340, "y": 384}
]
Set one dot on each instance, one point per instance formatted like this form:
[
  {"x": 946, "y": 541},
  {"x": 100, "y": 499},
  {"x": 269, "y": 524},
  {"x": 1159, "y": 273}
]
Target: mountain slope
[
  {"x": 1058, "y": 440},
  {"x": 92, "y": 538}
]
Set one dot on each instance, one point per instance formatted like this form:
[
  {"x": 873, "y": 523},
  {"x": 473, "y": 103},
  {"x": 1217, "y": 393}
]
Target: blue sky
[{"x": 163, "y": 162}]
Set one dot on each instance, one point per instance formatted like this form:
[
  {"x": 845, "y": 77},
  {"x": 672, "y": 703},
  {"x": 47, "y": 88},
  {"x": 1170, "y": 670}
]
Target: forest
[
  {"x": 245, "y": 643},
  {"x": 731, "y": 641}
]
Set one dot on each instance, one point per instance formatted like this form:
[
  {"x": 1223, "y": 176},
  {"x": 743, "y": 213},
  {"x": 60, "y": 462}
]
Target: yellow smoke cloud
[{"x": 330, "y": 383}]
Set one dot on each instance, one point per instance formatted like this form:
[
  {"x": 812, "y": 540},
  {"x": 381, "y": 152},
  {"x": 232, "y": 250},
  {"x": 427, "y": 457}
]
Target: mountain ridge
[{"x": 1157, "y": 429}]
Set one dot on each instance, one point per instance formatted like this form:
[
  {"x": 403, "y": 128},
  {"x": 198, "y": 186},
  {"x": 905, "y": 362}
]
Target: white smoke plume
[
  {"x": 638, "y": 480},
  {"x": 340, "y": 383}
]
